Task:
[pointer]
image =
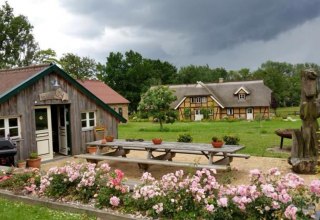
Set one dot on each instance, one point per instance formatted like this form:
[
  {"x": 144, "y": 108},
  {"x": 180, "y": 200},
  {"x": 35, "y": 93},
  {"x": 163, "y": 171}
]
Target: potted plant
[
  {"x": 109, "y": 138},
  {"x": 186, "y": 138},
  {"x": 34, "y": 160},
  {"x": 92, "y": 149},
  {"x": 216, "y": 142},
  {"x": 157, "y": 140},
  {"x": 21, "y": 163}
]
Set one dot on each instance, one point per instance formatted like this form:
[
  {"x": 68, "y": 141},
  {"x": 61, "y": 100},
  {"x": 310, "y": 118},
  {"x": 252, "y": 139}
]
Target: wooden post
[{"x": 304, "y": 151}]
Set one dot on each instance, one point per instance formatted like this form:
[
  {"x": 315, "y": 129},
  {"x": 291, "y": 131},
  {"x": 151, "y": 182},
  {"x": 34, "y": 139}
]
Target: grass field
[
  {"x": 256, "y": 136},
  {"x": 20, "y": 211}
]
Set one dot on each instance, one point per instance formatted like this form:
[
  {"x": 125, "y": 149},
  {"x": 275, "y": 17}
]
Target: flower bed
[{"x": 175, "y": 195}]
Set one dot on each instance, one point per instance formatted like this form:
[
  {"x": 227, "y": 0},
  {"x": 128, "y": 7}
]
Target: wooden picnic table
[{"x": 118, "y": 150}]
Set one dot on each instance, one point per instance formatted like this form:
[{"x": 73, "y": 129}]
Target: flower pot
[
  {"x": 92, "y": 149},
  {"x": 103, "y": 141},
  {"x": 109, "y": 138},
  {"x": 22, "y": 164},
  {"x": 35, "y": 163},
  {"x": 157, "y": 140},
  {"x": 217, "y": 144}
]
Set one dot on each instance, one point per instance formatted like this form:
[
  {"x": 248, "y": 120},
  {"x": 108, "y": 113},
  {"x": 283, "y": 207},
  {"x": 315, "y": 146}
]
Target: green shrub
[
  {"x": 186, "y": 138},
  {"x": 231, "y": 140},
  {"x": 33, "y": 155}
]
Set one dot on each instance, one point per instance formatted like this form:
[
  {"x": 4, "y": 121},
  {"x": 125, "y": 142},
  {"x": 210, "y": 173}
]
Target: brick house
[{"x": 108, "y": 96}]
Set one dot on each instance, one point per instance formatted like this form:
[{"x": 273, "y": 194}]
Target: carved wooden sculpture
[{"x": 304, "y": 152}]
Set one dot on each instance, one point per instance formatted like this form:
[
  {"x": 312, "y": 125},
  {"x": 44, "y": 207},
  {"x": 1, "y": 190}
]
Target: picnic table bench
[{"x": 118, "y": 150}]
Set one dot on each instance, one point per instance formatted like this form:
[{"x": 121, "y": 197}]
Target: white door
[
  {"x": 44, "y": 132},
  {"x": 249, "y": 113},
  {"x": 198, "y": 116},
  {"x": 62, "y": 125}
]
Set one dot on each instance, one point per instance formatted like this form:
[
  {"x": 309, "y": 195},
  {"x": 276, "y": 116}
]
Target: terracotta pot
[
  {"x": 217, "y": 144},
  {"x": 22, "y": 164},
  {"x": 109, "y": 138},
  {"x": 92, "y": 149},
  {"x": 157, "y": 140},
  {"x": 35, "y": 163}
]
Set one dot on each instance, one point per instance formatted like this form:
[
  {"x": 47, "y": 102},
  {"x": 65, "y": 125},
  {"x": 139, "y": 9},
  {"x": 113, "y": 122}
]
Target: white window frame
[
  {"x": 7, "y": 127},
  {"x": 242, "y": 96},
  {"x": 87, "y": 120},
  {"x": 229, "y": 111},
  {"x": 196, "y": 99},
  {"x": 203, "y": 99}
]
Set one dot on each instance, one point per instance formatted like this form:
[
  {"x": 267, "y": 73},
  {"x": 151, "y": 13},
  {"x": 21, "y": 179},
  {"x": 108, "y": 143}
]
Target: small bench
[{"x": 143, "y": 163}]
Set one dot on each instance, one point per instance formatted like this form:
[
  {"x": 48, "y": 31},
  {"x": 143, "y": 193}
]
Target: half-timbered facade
[
  {"x": 233, "y": 100},
  {"x": 47, "y": 111}
]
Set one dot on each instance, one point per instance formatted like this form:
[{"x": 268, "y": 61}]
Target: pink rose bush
[
  {"x": 84, "y": 182},
  {"x": 270, "y": 195},
  {"x": 200, "y": 196}
]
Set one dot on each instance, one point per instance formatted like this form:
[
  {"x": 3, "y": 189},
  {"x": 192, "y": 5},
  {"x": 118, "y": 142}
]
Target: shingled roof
[
  {"x": 260, "y": 94},
  {"x": 103, "y": 92},
  {"x": 17, "y": 79}
]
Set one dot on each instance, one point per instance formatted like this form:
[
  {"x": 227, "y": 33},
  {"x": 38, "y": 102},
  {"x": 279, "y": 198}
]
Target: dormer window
[
  {"x": 242, "y": 93},
  {"x": 242, "y": 96}
]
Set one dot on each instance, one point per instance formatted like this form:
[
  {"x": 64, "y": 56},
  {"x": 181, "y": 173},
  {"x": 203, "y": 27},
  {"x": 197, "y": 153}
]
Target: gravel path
[{"x": 238, "y": 175}]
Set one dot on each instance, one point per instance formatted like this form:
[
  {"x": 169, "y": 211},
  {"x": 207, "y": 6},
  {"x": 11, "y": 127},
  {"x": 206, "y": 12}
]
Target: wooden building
[
  {"x": 108, "y": 96},
  {"x": 234, "y": 100},
  {"x": 49, "y": 112}
]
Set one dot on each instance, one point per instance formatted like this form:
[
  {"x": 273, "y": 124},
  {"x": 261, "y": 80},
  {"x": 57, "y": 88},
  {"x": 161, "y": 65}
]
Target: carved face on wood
[{"x": 309, "y": 84}]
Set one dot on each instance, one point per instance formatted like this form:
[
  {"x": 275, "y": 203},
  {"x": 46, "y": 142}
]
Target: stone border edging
[{"x": 64, "y": 207}]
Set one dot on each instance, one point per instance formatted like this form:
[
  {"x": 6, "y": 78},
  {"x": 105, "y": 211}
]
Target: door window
[{"x": 41, "y": 115}]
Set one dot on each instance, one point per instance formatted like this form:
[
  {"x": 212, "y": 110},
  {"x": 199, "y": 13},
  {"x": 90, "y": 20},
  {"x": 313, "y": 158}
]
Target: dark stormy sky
[{"x": 221, "y": 33}]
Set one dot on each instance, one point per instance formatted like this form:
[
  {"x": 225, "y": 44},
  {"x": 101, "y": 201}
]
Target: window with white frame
[
  {"x": 242, "y": 96},
  {"x": 229, "y": 111},
  {"x": 198, "y": 99},
  {"x": 88, "y": 120},
  {"x": 9, "y": 126}
]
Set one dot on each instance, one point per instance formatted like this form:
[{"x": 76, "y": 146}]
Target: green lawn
[
  {"x": 256, "y": 136},
  {"x": 20, "y": 211}
]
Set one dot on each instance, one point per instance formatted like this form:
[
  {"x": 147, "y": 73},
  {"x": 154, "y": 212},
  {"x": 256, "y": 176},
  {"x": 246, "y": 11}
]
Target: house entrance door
[
  {"x": 249, "y": 113},
  {"x": 62, "y": 129},
  {"x": 43, "y": 132},
  {"x": 198, "y": 116}
]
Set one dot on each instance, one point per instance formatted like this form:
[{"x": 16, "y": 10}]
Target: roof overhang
[
  {"x": 182, "y": 100},
  {"x": 242, "y": 88},
  {"x": 54, "y": 68},
  {"x": 217, "y": 101}
]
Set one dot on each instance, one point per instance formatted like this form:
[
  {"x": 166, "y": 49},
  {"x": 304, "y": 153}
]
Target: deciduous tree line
[{"x": 131, "y": 74}]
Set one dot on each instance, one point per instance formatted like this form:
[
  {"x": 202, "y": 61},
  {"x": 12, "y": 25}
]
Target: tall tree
[
  {"x": 46, "y": 56},
  {"x": 192, "y": 74},
  {"x": 156, "y": 101},
  {"x": 17, "y": 44},
  {"x": 131, "y": 75},
  {"x": 78, "y": 67}
]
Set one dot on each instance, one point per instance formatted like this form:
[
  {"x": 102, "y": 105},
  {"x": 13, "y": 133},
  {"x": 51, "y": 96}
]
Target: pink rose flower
[{"x": 114, "y": 201}]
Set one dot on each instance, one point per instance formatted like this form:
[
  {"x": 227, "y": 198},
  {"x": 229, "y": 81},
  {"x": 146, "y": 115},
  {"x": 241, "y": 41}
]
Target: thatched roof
[{"x": 224, "y": 93}]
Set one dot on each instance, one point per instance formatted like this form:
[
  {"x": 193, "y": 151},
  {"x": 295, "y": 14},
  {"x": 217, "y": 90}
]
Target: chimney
[{"x": 220, "y": 80}]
